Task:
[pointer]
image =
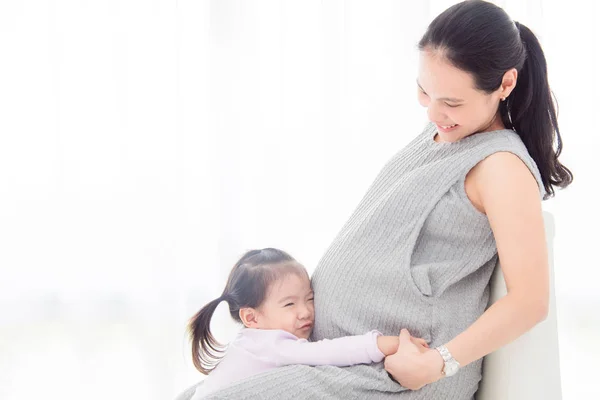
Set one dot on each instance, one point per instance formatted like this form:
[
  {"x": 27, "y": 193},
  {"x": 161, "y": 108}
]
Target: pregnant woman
[{"x": 419, "y": 249}]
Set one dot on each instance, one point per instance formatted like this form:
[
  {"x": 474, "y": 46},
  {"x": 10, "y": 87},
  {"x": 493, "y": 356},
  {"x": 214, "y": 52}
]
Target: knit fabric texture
[{"x": 414, "y": 254}]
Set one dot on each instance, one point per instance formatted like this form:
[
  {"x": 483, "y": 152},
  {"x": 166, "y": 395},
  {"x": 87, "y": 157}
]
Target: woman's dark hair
[
  {"x": 480, "y": 38},
  {"x": 247, "y": 286}
]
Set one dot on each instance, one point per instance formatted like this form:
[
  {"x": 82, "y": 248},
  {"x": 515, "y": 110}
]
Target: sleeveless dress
[{"x": 414, "y": 254}]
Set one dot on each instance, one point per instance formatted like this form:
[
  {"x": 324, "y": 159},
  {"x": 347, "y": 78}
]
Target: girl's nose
[{"x": 304, "y": 313}]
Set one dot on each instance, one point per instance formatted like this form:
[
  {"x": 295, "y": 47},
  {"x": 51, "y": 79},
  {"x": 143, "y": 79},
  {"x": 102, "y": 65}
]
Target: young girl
[{"x": 270, "y": 294}]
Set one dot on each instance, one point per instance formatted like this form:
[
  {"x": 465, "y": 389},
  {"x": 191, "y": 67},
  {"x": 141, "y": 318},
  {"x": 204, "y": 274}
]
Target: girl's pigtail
[{"x": 206, "y": 351}]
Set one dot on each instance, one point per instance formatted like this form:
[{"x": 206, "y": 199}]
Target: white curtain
[{"x": 145, "y": 145}]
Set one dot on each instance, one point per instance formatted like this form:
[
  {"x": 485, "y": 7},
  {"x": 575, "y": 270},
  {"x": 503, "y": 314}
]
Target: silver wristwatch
[{"x": 451, "y": 366}]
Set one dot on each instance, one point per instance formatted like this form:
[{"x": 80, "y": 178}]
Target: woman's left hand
[{"x": 411, "y": 367}]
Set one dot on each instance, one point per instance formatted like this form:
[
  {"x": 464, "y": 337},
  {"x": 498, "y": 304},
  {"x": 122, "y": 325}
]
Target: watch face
[{"x": 451, "y": 368}]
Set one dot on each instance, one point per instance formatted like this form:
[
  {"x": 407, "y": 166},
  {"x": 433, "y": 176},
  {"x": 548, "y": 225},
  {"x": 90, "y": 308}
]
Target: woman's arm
[
  {"x": 506, "y": 191},
  {"x": 509, "y": 196}
]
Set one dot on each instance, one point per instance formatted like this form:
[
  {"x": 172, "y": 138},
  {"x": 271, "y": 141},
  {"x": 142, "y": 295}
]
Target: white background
[{"x": 145, "y": 145}]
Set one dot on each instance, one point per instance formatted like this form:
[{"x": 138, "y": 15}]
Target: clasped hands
[{"x": 410, "y": 361}]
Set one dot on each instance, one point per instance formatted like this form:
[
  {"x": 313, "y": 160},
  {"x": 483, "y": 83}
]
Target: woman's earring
[{"x": 504, "y": 98}]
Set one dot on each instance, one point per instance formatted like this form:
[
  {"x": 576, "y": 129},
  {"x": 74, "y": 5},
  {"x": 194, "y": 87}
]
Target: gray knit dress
[{"x": 414, "y": 254}]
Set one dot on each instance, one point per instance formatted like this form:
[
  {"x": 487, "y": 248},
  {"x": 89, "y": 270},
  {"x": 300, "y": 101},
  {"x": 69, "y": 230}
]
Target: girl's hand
[
  {"x": 411, "y": 367},
  {"x": 388, "y": 345}
]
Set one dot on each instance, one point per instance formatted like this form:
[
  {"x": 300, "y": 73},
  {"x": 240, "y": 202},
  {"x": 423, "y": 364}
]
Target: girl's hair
[
  {"x": 480, "y": 38},
  {"x": 247, "y": 286}
]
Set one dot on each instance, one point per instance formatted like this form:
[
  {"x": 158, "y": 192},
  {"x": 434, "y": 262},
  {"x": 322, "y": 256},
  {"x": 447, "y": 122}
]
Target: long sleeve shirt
[{"x": 258, "y": 350}]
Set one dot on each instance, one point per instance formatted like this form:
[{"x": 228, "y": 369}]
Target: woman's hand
[
  {"x": 388, "y": 345},
  {"x": 411, "y": 367}
]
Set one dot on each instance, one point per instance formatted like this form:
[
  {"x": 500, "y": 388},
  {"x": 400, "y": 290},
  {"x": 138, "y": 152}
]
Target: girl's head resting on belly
[{"x": 266, "y": 289}]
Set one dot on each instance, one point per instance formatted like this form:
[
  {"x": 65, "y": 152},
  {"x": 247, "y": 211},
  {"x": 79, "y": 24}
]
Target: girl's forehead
[
  {"x": 290, "y": 282},
  {"x": 294, "y": 279}
]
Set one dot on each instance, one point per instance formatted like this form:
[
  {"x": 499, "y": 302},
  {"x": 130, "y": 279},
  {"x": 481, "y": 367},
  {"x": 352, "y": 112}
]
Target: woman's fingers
[
  {"x": 420, "y": 344},
  {"x": 404, "y": 335},
  {"x": 419, "y": 341}
]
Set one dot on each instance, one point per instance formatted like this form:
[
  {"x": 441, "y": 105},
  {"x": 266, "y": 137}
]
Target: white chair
[{"x": 527, "y": 368}]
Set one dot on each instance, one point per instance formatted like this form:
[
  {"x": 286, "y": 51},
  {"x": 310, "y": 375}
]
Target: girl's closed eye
[{"x": 289, "y": 304}]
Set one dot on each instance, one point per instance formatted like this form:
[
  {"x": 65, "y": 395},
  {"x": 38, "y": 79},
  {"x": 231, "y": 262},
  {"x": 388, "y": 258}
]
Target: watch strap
[{"x": 449, "y": 361}]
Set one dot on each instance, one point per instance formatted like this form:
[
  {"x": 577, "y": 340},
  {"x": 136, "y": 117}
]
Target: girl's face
[
  {"x": 289, "y": 305},
  {"x": 450, "y": 98}
]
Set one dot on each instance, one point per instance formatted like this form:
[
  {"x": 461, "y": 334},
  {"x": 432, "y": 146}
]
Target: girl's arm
[{"x": 344, "y": 351}]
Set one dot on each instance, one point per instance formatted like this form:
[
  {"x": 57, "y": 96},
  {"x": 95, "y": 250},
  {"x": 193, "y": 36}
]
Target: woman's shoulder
[
  {"x": 503, "y": 169},
  {"x": 504, "y": 155}
]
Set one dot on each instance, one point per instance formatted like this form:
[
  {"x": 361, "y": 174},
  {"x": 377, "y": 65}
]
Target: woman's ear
[
  {"x": 249, "y": 317},
  {"x": 509, "y": 81}
]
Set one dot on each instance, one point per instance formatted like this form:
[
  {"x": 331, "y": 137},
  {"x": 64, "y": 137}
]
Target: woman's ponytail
[
  {"x": 206, "y": 351},
  {"x": 530, "y": 111}
]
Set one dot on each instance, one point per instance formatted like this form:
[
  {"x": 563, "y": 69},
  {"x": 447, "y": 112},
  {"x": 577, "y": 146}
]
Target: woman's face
[{"x": 451, "y": 98}]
